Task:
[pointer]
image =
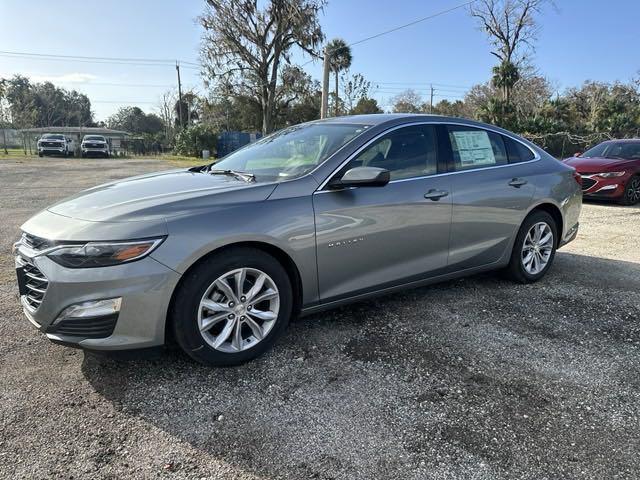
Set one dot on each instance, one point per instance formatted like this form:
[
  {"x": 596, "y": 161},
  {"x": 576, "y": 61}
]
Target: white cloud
[{"x": 65, "y": 78}]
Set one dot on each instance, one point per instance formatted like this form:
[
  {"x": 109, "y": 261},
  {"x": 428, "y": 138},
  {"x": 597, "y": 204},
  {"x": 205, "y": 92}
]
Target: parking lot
[{"x": 474, "y": 378}]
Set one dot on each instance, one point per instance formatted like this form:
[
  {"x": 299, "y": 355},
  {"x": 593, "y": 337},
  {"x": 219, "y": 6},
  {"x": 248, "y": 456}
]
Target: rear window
[
  {"x": 516, "y": 151},
  {"x": 94, "y": 137},
  {"x": 52, "y": 136}
]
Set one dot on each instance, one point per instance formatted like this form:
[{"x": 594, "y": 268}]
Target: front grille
[
  {"x": 101, "y": 327},
  {"x": 36, "y": 243},
  {"x": 587, "y": 183},
  {"x": 52, "y": 144},
  {"x": 94, "y": 145},
  {"x": 35, "y": 283}
]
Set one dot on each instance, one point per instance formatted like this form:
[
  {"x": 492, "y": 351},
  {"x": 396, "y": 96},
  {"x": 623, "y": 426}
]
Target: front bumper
[
  {"x": 52, "y": 149},
  {"x": 96, "y": 151},
  {"x": 145, "y": 287},
  {"x": 598, "y": 187}
]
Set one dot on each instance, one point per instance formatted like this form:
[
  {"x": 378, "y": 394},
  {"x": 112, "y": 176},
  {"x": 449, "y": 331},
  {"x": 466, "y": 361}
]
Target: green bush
[{"x": 192, "y": 140}]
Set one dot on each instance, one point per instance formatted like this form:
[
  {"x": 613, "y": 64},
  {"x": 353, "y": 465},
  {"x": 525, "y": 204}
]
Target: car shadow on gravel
[{"x": 477, "y": 377}]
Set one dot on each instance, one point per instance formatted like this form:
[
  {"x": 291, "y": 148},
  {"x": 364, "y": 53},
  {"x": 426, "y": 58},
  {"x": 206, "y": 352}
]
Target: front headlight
[
  {"x": 103, "y": 254},
  {"x": 611, "y": 174}
]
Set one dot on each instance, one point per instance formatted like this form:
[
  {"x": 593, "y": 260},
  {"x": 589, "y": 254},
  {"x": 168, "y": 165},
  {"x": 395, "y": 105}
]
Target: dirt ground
[{"x": 471, "y": 379}]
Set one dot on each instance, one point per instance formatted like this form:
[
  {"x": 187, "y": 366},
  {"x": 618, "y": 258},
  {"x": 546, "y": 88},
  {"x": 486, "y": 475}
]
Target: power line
[
  {"x": 96, "y": 59},
  {"x": 425, "y": 89},
  {"x": 122, "y": 102},
  {"x": 428, "y": 17},
  {"x": 108, "y": 84},
  {"x": 400, "y": 27}
]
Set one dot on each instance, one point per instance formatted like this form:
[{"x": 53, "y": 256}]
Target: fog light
[{"x": 94, "y": 308}]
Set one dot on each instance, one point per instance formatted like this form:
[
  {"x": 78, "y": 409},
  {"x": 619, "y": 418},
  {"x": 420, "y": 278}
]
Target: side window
[
  {"x": 406, "y": 152},
  {"x": 516, "y": 151},
  {"x": 476, "y": 148}
]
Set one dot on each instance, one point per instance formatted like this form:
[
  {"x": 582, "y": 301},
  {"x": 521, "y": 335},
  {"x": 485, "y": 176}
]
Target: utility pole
[
  {"x": 325, "y": 84},
  {"x": 431, "y": 101},
  {"x": 179, "y": 94}
]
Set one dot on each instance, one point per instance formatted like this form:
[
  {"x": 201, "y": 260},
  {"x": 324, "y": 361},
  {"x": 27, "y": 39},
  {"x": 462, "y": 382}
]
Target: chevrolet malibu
[
  {"x": 219, "y": 258},
  {"x": 610, "y": 170}
]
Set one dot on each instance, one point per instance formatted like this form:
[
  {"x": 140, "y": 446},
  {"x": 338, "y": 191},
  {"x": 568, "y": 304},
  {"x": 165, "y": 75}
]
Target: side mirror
[{"x": 362, "y": 177}]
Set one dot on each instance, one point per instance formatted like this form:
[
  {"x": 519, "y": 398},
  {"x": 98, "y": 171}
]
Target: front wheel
[
  {"x": 631, "y": 194},
  {"x": 534, "y": 248},
  {"x": 232, "y": 307}
]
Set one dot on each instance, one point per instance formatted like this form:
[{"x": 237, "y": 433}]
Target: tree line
[{"x": 252, "y": 84}]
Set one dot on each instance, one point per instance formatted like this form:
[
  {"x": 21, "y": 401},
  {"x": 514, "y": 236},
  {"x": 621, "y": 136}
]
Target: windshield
[
  {"x": 52, "y": 136},
  {"x": 94, "y": 137},
  {"x": 291, "y": 152},
  {"x": 625, "y": 150}
]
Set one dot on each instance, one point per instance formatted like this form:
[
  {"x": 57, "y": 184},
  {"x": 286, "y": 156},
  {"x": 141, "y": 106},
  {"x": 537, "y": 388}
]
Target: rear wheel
[
  {"x": 631, "y": 194},
  {"x": 534, "y": 248},
  {"x": 232, "y": 307}
]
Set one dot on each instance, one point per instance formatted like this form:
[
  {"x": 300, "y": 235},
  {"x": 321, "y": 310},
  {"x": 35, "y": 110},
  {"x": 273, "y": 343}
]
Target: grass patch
[
  {"x": 176, "y": 160},
  {"x": 15, "y": 154}
]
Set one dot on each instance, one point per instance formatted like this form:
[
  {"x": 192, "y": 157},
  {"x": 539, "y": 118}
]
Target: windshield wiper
[{"x": 245, "y": 176}]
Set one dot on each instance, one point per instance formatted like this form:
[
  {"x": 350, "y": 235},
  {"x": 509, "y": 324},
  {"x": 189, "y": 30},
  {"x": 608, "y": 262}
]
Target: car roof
[
  {"x": 395, "y": 119},
  {"x": 623, "y": 140},
  {"x": 399, "y": 118}
]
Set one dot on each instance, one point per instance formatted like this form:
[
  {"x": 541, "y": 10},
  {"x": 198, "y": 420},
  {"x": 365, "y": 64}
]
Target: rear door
[
  {"x": 371, "y": 237},
  {"x": 490, "y": 194}
]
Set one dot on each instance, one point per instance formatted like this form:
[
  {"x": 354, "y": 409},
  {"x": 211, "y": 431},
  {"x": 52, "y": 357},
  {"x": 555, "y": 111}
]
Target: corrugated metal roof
[{"x": 77, "y": 130}]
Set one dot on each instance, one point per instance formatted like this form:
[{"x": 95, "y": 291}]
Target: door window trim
[{"x": 536, "y": 156}]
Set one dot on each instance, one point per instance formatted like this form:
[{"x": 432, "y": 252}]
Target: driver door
[{"x": 368, "y": 238}]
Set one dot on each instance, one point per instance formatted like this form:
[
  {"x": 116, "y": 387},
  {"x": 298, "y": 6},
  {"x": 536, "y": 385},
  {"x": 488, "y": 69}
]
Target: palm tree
[
  {"x": 505, "y": 77},
  {"x": 340, "y": 59}
]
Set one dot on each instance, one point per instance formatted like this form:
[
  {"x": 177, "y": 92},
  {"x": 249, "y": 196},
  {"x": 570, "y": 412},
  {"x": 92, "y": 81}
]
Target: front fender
[{"x": 286, "y": 224}]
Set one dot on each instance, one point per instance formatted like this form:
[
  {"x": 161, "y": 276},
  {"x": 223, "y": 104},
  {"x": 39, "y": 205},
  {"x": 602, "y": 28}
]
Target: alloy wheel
[
  {"x": 238, "y": 310},
  {"x": 633, "y": 190},
  {"x": 537, "y": 248}
]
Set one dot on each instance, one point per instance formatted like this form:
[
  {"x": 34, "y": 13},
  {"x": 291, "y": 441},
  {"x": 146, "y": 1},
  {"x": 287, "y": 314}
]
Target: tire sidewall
[
  {"x": 516, "y": 259},
  {"x": 185, "y": 306}
]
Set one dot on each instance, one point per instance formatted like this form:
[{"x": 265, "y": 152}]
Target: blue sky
[{"x": 579, "y": 40}]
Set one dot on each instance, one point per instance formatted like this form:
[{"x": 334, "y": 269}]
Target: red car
[{"x": 610, "y": 170}]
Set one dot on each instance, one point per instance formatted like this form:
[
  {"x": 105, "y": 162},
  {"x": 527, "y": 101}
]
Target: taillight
[{"x": 577, "y": 177}]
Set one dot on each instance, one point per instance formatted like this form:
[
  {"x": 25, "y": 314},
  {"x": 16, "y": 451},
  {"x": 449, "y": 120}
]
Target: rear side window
[
  {"x": 476, "y": 148},
  {"x": 516, "y": 151}
]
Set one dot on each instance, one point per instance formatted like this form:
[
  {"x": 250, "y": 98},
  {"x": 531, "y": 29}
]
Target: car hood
[
  {"x": 596, "y": 164},
  {"x": 159, "y": 195}
]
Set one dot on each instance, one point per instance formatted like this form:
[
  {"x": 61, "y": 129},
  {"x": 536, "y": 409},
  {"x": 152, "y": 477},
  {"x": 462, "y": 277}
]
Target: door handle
[
  {"x": 517, "y": 182},
  {"x": 435, "y": 195}
]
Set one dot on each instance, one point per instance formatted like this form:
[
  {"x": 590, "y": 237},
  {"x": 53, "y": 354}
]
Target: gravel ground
[{"x": 471, "y": 379}]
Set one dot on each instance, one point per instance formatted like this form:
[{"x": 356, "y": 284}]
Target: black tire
[
  {"x": 516, "y": 270},
  {"x": 40, "y": 154},
  {"x": 184, "y": 312},
  {"x": 631, "y": 194}
]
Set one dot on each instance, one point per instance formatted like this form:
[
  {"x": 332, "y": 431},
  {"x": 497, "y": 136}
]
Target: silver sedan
[{"x": 219, "y": 258}]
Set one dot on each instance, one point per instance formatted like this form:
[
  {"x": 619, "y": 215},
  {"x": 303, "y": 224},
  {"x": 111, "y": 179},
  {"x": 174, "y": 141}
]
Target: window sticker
[{"x": 474, "y": 148}]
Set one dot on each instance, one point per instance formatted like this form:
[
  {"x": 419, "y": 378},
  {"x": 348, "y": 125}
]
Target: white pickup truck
[
  {"x": 55, "y": 143},
  {"x": 95, "y": 145}
]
